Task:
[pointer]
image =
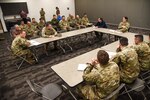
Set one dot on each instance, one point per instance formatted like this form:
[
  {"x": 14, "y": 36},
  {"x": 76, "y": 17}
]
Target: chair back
[
  {"x": 138, "y": 85},
  {"x": 31, "y": 85}
]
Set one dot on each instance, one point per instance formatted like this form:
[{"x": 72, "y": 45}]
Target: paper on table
[
  {"x": 111, "y": 54},
  {"x": 81, "y": 67},
  {"x": 33, "y": 42},
  {"x": 112, "y": 30}
]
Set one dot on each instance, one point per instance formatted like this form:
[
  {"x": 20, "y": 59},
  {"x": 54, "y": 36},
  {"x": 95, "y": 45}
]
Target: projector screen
[{"x": 13, "y": 8}]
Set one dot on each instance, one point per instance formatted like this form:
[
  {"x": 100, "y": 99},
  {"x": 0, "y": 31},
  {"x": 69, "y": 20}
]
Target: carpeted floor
[{"x": 12, "y": 81}]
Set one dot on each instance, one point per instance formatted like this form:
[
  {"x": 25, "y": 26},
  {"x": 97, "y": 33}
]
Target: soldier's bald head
[{"x": 102, "y": 57}]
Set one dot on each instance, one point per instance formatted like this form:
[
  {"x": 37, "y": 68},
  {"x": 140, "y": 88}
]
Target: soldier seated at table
[
  {"x": 85, "y": 21},
  {"x": 15, "y": 31},
  {"x": 143, "y": 51},
  {"x": 34, "y": 23},
  {"x": 20, "y": 47},
  {"x": 124, "y": 25},
  {"x": 23, "y": 26},
  {"x": 79, "y": 22},
  {"x": 127, "y": 60},
  {"x": 101, "y": 78},
  {"x": 31, "y": 30},
  {"x": 69, "y": 17},
  {"x": 100, "y": 24},
  {"x": 64, "y": 25},
  {"x": 54, "y": 22},
  {"x": 41, "y": 24},
  {"x": 48, "y": 32},
  {"x": 72, "y": 22}
]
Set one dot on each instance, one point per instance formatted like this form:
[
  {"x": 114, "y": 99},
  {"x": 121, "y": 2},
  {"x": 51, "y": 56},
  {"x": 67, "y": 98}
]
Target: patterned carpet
[{"x": 12, "y": 81}]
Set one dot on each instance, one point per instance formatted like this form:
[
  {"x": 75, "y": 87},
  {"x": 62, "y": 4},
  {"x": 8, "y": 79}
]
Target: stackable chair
[
  {"x": 21, "y": 58},
  {"x": 50, "y": 91},
  {"x": 137, "y": 86}
]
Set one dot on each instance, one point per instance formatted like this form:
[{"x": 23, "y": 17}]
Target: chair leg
[
  {"x": 143, "y": 95},
  {"x": 128, "y": 94}
]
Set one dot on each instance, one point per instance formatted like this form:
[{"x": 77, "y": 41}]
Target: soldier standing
[{"x": 42, "y": 13}]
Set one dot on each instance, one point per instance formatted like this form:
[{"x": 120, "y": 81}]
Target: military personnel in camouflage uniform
[
  {"x": 124, "y": 25},
  {"x": 100, "y": 78},
  {"x": 15, "y": 31},
  {"x": 23, "y": 26},
  {"x": 79, "y": 22},
  {"x": 34, "y": 22},
  {"x": 48, "y": 31},
  {"x": 54, "y": 22},
  {"x": 20, "y": 47},
  {"x": 42, "y": 14},
  {"x": 143, "y": 51},
  {"x": 127, "y": 60},
  {"x": 72, "y": 22},
  {"x": 85, "y": 21},
  {"x": 64, "y": 25},
  {"x": 41, "y": 24},
  {"x": 69, "y": 17},
  {"x": 31, "y": 30}
]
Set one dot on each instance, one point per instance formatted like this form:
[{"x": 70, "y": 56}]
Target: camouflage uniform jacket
[
  {"x": 63, "y": 24},
  {"x": 85, "y": 21},
  {"x": 34, "y": 24},
  {"x": 30, "y": 30},
  {"x": 78, "y": 21},
  {"x": 124, "y": 26},
  {"x": 127, "y": 60},
  {"x": 143, "y": 51},
  {"x": 41, "y": 25},
  {"x": 23, "y": 27},
  {"x": 54, "y": 22},
  {"x": 102, "y": 81},
  {"x": 19, "y": 46},
  {"x": 48, "y": 32}
]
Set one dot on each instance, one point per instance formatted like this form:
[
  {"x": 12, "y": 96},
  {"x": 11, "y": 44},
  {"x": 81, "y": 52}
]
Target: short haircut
[
  {"x": 63, "y": 16},
  {"x": 101, "y": 19},
  {"x": 124, "y": 41},
  {"x": 47, "y": 24},
  {"x": 41, "y": 18},
  {"x": 126, "y": 18},
  {"x": 54, "y": 15},
  {"x": 102, "y": 57},
  {"x": 140, "y": 37},
  {"x": 33, "y": 18}
]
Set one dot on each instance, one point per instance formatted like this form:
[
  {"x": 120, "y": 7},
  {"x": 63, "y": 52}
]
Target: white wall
[
  {"x": 2, "y": 20},
  {"x": 49, "y": 6}
]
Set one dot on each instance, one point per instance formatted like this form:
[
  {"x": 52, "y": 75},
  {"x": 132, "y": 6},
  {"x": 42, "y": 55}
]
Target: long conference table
[{"x": 67, "y": 70}]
